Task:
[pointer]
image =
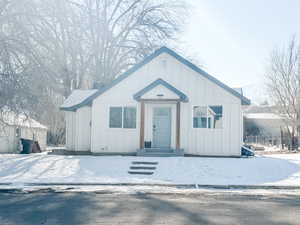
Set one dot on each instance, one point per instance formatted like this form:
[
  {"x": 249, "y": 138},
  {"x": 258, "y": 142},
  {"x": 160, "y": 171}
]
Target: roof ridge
[{"x": 148, "y": 59}]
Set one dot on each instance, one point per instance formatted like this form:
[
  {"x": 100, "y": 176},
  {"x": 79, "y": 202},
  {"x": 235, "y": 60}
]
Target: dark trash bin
[
  {"x": 147, "y": 144},
  {"x": 27, "y": 146}
]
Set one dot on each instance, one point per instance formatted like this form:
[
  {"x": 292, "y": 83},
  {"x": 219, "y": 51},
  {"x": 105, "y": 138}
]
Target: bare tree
[
  {"x": 49, "y": 48},
  {"x": 283, "y": 82}
]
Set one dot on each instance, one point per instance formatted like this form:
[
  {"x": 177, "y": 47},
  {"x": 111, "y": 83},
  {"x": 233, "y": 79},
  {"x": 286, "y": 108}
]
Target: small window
[
  {"x": 208, "y": 117},
  {"x": 216, "y": 112},
  {"x": 200, "y": 117},
  {"x": 115, "y": 117},
  {"x": 129, "y": 117},
  {"x": 18, "y": 132}
]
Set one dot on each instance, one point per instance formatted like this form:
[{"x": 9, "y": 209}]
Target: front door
[{"x": 161, "y": 127}]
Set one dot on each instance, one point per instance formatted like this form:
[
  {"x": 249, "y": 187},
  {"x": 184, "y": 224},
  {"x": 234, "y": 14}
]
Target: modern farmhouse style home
[{"x": 164, "y": 105}]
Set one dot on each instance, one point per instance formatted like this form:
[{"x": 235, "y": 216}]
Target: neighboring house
[
  {"x": 13, "y": 127},
  {"x": 163, "y": 104},
  {"x": 265, "y": 129},
  {"x": 265, "y": 124}
]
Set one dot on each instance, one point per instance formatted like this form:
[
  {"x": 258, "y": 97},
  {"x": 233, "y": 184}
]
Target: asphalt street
[{"x": 143, "y": 209}]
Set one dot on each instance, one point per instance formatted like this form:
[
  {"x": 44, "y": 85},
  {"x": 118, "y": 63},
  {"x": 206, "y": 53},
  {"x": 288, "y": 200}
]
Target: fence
[{"x": 278, "y": 141}]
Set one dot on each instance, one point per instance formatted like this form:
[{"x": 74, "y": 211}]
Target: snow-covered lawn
[{"x": 281, "y": 169}]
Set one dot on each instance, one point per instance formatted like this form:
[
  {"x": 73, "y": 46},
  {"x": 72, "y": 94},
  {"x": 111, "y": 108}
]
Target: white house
[
  {"x": 268, "y": 124},
  {"x": 13, "y": 127},
  {"x": 165, "y": 104}
]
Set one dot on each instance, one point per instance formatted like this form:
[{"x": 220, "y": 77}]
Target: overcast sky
[{"x": 233, "y": 38}]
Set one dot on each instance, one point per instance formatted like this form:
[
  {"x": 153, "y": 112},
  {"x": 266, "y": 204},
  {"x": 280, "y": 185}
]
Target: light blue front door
[{"x": 161, "y": 127}]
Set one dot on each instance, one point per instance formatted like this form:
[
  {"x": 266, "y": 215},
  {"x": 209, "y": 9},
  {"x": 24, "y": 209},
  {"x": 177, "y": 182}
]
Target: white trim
[
  {"x": 122, "y": 122},
  {"x": 207, "y": 106}
]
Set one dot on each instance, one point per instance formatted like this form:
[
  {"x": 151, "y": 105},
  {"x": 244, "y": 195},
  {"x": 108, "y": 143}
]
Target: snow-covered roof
[
  {"x": 12, "y": 119},
  {"x": 77, "y": 97},
  {"x": 270, "y": 116}
]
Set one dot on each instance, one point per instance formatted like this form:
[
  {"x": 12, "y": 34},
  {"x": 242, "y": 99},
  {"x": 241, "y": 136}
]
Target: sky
[{"x": 232, "y": 39}]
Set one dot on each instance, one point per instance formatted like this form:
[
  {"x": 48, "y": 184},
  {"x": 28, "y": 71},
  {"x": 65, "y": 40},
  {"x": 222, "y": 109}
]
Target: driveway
[{"x": 144, "y": 209}]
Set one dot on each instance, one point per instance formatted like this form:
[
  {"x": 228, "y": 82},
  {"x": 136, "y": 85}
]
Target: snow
[
  {"x": 268, "y": 116},
  {"x": 77, "y": 97},
  {"x": 12, "y": 119},
  {"x": 280, "y": 169}
]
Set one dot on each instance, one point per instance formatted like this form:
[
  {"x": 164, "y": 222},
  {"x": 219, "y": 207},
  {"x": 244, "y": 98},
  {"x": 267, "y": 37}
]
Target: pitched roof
[
  {"x": 154, "y": 84},
  {"x": 265, "y": 116},
  {"x": 89, "y": 99},
  {"x": 21, "y": 120},
  {"x": 76, "y": 99}
]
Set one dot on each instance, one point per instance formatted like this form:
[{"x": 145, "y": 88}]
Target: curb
[{"x": 180, "y": 186}]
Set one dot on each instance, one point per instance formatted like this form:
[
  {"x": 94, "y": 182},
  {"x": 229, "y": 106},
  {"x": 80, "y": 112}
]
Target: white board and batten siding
[
  {"x": 8, "y": 140},
  {"x": 200, "y": 91},
  {"x": 78, "y": 130}
]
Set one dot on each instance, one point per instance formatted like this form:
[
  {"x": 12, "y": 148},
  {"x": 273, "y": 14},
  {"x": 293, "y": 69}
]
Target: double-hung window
[
  {"x": 122, "y": 117},
  {"x": 208, "y": 116}
]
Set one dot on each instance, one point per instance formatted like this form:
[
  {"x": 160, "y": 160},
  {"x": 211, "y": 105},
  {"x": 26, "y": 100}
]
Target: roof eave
[{"x": 244, "y": 100}]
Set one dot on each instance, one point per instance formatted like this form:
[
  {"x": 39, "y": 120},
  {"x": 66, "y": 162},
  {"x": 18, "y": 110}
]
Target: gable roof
[
  {"x": 76, "y": 99},
  {"x": 88, "y": 100},
  {"x": 154, "y": 84},
  {"x": 11, "y": 118}
]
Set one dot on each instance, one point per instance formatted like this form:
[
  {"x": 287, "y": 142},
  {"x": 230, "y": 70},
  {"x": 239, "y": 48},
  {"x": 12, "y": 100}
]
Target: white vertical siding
[
  {"x": 78, "y": 129},
  {"x": 114, "y": 140},
  {"x": 8, "y": 140},
  {"x": 36, "y": 134},
  {"x": 83, "y": 129},
  {"x": 200, "y": 91},
  {"x": 70, "y": 130}
]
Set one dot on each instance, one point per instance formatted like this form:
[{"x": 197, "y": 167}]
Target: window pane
[
  {"x": 216, "y": 114},
  {"x": 129, "y": 117},
  {"x": 115, "y": 117},
  {"x": 200, "y": 117}
]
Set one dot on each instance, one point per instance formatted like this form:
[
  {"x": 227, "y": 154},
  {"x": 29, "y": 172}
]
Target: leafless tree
[
  {"x": 49, "y": 48},
  {"x": 283, "y": 82}
]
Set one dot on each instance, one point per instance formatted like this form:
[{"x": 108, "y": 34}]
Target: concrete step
[
  {"x": 142, "y": 167},
  {"x": 160, "y": 150},
  {"x": 144, "y": 163},
  {"x": 155, "y": 152},
  {"x": 140, "y": 172}
]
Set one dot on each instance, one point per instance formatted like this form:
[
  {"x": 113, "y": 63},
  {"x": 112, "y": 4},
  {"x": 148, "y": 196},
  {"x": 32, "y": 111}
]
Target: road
[{"x": 143, "y": 209}]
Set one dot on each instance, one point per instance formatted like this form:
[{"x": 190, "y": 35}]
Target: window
[
  {"x": 217, "y": 116},
  {"x": 200, "y": 117},
  {"x": 115, "y": 117},
  {"x": 129, "y": 117},
  {"x": 18, "y": 132},
  {"x": 207, "y": 116},
  {"x": 122, "y": 117}
]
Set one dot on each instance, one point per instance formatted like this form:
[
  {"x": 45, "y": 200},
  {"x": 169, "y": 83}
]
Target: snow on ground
[{"x": 281, "y": 169}]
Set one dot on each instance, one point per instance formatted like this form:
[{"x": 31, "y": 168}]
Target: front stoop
[
  {"x": 142, "y": 167},
  {"x": 159, "y": 152}
]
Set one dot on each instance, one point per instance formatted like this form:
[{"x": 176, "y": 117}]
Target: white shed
[
  {"x": 13, "y": 127},
  {"x": 163, "y": 105}
]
